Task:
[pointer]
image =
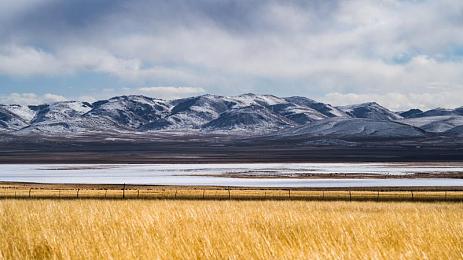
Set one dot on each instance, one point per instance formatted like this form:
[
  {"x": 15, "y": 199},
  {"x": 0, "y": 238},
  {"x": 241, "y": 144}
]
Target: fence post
[
  {"x": 377, "y": 196},
  {"x": 123, "y": 192},
  {"x": 105, "y": 193},
  {"x": 412, "y": 195},
  {"x": 204, "y": 191},
  {"x": 138, "y": 194},
  {"x": 30, "y": 189},
  {"x": 323, "y": 195},
  {"x": 175, "y": 196},
  {"x": 78, "y": 193},
  {"x": 229, "y": 195},
  {"x": 350, "y": 195}
]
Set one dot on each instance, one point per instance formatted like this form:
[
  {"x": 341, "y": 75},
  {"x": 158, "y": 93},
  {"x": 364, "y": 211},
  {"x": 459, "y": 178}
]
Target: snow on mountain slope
[
  {"x": 193, "y": 112},
  {"x": 58, "y": 117},
  {"x": 209, "y": 110},
  {"x": 371, "y": 110},
  {"x": 129, "y": 112},
  {"x": 198, "y": 111},
  {"x": 250, "y": 118},
  {"x": 23, "y": 112},
  {"x": 61, "y": 111},
  {"x": 15, "y": 117},
  {"x": 325, "y": 109},
  {"x": 435, "y": 124},
  {"x": 296, "y": 113},
  {"x": 247, "y": 114},
  {"x": 10, "y": 121},
  {"x": 356, "y": 127},
  {"x": 438, "y": 112},
  {"x": 250, "y": 99}
]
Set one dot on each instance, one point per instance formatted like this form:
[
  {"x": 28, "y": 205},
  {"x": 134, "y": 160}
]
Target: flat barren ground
[
  {"x": 220, "y": 149},
  {"x": 149, "y": 229}
]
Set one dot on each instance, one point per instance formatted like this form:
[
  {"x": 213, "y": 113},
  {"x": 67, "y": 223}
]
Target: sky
[{"x": 400, "y": 53}]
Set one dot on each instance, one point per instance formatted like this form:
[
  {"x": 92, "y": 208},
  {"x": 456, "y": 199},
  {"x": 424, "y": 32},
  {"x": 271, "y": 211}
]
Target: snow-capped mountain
[
  {"x": 249, "y": 118},
  {"x": 247, "y": 114},
  {"x": 194, "y": 112},
  {"x": 434, "y": 112},
  {"x": 371, "y": 110},
  {"x": 12, "y": 119},
  {"x": 414, "y": 112},
  {"x": 296, "y": 113},
  {"x": 128, "y": 112},
  {"x": 357, "y": 127},
  {"x": 435, "y": 124},
  {"x": 325, "y": 109},
  {"x": 438, "y": 120},
  {"x": 251, "y": 99},
  {"x": 60, "y": 111},
  {"x": 58, "y": 117},
  {"x": 26, "y": 113}
]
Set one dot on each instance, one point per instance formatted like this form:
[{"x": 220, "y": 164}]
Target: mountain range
[{"x": 243, "y": 115}]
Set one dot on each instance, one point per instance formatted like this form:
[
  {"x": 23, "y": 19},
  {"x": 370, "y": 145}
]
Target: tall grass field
[{"x": 166, "y": 229}]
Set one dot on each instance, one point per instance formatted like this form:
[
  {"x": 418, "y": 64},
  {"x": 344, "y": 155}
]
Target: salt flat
[{"x": 242, "y": 174}]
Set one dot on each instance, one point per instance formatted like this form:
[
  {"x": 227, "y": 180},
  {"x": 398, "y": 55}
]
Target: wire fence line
[{"x": 228, "y": 193}]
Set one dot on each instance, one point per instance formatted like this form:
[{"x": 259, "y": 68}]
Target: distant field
[{"x": 170, "y": 229}]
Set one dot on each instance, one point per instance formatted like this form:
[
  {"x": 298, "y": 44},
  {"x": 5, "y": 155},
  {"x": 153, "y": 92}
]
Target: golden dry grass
[{"x": 167, "y": 229}]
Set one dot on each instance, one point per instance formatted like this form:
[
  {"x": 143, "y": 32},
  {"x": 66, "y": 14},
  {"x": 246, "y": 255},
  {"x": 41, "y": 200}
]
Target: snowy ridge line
[{"x": 247, "y": 114}]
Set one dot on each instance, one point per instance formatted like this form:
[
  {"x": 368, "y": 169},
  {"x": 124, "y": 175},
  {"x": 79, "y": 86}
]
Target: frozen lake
[{"x": 245, "y": 174}]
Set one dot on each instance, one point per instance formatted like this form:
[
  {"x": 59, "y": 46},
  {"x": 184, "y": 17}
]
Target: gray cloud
[{"x": 332, "y": 50}]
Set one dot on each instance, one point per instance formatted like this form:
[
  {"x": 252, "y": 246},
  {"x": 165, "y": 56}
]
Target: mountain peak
[
  {"x": 247, "y": 94},
  {"x": 365, "y": 104},
  {"x": 131, "y": 97},
  {"x": 414, "y": 112}
]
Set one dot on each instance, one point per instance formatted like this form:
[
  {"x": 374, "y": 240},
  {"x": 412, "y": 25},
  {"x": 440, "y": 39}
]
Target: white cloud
[
  {"x": 30, "y": 98},
  {"x": 17, "y": 60},
  {"x": 24, "y": 61},
  {"x": 348, "y": 52},
  {"x": 163, "y": 92}
]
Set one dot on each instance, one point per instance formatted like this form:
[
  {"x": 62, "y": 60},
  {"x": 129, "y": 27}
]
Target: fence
[{"x": 36, "y": 191}]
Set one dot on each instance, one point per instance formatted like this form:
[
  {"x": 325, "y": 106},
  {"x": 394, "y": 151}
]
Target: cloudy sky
[{"x": 402, "y": 54}]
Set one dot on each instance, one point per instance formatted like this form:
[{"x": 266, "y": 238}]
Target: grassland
[{"x": 194, "y": 229}]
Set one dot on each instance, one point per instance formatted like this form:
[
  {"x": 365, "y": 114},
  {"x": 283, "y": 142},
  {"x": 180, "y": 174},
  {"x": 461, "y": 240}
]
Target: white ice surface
[{"x": 206, "y": 174}]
